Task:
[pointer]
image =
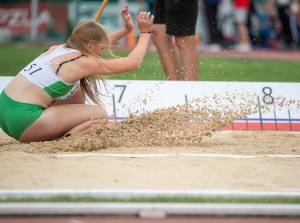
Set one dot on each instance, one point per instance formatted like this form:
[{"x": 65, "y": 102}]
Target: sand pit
[
  {"x": 37, "y": 166},
  {"x": 192, "y": 128}
]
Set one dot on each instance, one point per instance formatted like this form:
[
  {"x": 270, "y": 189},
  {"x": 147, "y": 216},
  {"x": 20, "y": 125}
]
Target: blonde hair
[{"x": 85, "y": 32}]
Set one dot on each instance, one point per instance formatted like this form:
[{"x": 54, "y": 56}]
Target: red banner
[{"x": 17, "y": 17}]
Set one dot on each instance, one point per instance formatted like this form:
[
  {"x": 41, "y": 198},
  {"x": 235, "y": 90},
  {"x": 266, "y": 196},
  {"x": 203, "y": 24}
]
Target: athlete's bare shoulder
[{"x": 50, "y": 49}]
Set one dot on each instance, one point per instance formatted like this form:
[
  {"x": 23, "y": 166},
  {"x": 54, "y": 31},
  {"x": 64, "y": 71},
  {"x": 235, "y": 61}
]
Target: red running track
[{"x": 242, "y": 126}]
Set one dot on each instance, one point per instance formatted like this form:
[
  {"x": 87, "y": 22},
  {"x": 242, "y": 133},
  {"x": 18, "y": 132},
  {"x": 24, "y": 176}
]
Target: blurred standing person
[
  {"x": 287, "y": 11},
  {"x": 176, "y": 19},
  {"x": 211, "y": 10},
  {"x": 241, "y": 10},
  {"x": 149, "y": 3},
  {"x": 298, "y": 23}
]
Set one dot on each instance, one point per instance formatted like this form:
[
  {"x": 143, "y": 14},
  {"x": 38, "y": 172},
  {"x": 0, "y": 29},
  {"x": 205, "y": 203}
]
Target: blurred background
[{"x": 41, "y": 21}]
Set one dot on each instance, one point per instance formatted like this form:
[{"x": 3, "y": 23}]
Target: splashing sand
[{"x": 181, "y": 125}]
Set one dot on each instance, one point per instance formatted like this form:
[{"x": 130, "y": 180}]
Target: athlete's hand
[
  {"x": 144, "y": 21},
  {"x": 129, "y": 24}
]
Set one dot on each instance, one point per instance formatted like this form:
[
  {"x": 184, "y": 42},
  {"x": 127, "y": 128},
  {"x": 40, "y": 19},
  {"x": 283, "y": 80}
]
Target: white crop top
[{"x": 40, "y": 73}]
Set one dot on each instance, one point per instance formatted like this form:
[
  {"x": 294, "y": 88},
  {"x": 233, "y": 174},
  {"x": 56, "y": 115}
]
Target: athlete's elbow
[
  {"x": 135, "y": 62},
  {"x": 138, "y": 63},
  {"x": 135, "y": 65}
]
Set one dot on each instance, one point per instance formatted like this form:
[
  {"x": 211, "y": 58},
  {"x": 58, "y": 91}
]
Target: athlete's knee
[
  {"x": 159, "y": 36},
  {"x": 101, "y": 116},
  {"x": 104, "y": 119}
]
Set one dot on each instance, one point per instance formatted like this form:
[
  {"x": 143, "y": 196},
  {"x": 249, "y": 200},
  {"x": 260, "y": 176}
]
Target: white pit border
[{"x": 178, "y": 154}]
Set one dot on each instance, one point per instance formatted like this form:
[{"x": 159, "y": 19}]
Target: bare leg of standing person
[
  {"x": 167, "y": 52},
  {"x": 243, "y": 35},
  {"x": 189, "y": 57},
  {"x": 241, "y": 14}
]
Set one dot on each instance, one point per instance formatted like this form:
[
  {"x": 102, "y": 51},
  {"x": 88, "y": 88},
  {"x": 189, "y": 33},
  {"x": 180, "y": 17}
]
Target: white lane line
[
  {"x": 117, "y": 155},
  {"x": 220, "y": 155},
  {"x": 240, "y": 156},
  {"x": 179, "y": 154},
  {"x": 285, "y": 156}
]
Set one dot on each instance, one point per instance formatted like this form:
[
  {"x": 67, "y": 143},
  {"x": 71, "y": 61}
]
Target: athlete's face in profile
[{"x": 96, "y": 49}]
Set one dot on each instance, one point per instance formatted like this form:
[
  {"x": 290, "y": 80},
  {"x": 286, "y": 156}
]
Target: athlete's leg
[
  {"x": 189, "y": 57},
  {"x": 58, "y": 120},
  {"x": 167, "y": 52}
]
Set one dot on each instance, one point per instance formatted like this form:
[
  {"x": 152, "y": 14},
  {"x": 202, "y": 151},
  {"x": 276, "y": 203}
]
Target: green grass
[
  {"x": 15, "y": 57},
  {"x": 269, "y": 200}
]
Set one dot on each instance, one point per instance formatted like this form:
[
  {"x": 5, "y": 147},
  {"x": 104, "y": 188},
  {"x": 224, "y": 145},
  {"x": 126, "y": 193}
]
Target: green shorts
[{"x": 16, "y": 116}]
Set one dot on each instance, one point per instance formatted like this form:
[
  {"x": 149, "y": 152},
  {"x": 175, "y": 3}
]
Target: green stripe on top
[{"x": 58, "y": 89}]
